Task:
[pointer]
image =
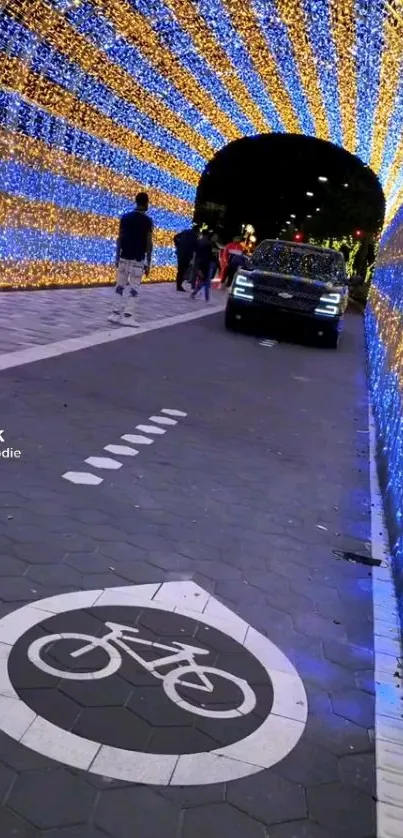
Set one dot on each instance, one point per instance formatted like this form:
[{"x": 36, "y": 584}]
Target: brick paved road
[
  {"x": 247, "y": 496},
  {"x": 28, "y": 318}
]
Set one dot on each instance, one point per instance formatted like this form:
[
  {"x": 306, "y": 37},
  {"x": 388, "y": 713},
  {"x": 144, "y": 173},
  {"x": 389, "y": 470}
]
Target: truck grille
[{"x": 298, "y": 302}]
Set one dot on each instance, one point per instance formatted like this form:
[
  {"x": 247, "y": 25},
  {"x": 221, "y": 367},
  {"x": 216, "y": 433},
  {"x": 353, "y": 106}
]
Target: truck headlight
[
  {"x": 243, "y": 281},
  {"x": 329, "y": 304},
  {"x": 240, "y": 286}
]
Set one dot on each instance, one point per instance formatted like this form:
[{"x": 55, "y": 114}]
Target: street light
[
  {"x": 317, "y": 209},
  {"x": 345, "y": 185},
  {"x": 310, "y": 194},
  {"x": 309, "y": 216},
  {"x": 322, "y": 179},
  {"x": 292, "y": 216}
]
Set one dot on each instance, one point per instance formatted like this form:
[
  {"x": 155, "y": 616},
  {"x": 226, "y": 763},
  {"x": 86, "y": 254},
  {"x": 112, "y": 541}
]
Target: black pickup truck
[{"x": 299, "y": 281}]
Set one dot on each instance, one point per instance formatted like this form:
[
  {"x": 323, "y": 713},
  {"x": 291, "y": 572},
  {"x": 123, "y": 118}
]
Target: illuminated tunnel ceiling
[{"x": 102, "y": 97}]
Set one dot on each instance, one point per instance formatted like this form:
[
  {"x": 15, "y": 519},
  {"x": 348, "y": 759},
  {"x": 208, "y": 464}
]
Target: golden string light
[
  {"x": 344, "y": 33},
  {"x": 52, "y": 27},
  {"x": 46, "y": 274},
  {"x": 205, "y": 43},
  {"x": 248, "y": 27},
  {"x": 37, "y": 154},
  {"x": 132, "y": 26},
  {"x": 62, "y": 103},
  {"x": 391, "y": 69},
  {"x": 48, "y": 217},
  {"x": 292, "y": 15}
]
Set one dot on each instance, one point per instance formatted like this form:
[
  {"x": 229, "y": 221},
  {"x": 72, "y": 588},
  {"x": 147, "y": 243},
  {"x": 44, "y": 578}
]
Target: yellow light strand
[
  {"x": 135, "y": 28},
  {"x": 45, "y": 274},
  {"x": 394, "y": 172},
  {"x": 207, "y": 45},
  {"x": 292, "y": 15},
  {"x": 391, "y": 69},
  {"x": 390, "y": 331},
  {"x": 42, "y": 157},
  {"x": 392, "y": 207},
  {"x": 16, "y": 76},
  {"x": 344, "y": 36},
  {"x": 249, "y": 30},
  {"x": 50, "y": 218},
  {"x": 51, "y": 26}
]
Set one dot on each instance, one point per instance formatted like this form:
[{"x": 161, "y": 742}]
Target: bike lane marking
[
  {"x": 264, "y": 740},
  {"x": 110, "y": 464}
]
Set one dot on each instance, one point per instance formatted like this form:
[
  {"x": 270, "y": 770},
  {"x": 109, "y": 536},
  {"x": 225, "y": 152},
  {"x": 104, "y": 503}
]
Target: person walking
[
  {"x": 205, "y": 264},
  {"x": 133, "y": 259},
  {"x": 233, "y": 248},
  {"x": 185, "y": 244}
]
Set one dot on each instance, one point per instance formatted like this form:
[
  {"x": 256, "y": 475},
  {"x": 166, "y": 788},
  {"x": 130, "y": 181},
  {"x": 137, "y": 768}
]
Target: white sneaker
[
  {"x": 129, "y": 320},
  {"x": 114, "y": 317}
]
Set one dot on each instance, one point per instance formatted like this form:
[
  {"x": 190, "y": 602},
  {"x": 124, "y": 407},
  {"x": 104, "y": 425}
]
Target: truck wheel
[
  {"x": 331, "y": 339},
  {"x": 231, "y": 324}
]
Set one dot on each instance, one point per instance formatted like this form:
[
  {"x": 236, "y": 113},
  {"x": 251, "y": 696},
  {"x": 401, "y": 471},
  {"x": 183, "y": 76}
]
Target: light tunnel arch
[
  {"x": 258, "y": 169},
  {"x": 99, "y": 98}
]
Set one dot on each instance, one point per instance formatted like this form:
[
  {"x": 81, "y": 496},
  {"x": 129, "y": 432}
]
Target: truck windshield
[{"x": 300, "y": 261}]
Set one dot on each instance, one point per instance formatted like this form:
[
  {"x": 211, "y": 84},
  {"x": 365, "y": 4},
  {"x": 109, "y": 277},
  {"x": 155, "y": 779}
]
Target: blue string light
[
  {"x": 368, "y": 52},
  {"x": 278, "y": 42},
  {"x": 319, "y": 27},
  {"x": 102, "y": 34}
]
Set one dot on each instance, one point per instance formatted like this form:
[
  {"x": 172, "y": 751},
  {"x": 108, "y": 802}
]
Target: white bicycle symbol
[{"x": 182, "y": 657}]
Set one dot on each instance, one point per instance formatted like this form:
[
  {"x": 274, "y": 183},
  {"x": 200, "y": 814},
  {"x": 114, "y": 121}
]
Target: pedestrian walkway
[{"x": 31, "y": 318}]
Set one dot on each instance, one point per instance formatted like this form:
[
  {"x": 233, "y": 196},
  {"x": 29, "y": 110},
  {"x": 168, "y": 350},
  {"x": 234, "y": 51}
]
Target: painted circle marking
[{"x": 265, "y": 746}]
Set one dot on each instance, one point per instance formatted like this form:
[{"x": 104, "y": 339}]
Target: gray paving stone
[
  {"x": 65, "y": 798},
  {"x": 12, "y": 825},
  {"x": 358, "y": 770},
  {"x": 348, "y": 656},
  {"x": 322, "y": 766},
  {"x": 10, "y": 566},
  {"x": 82, "y": 831},
  {"x": 355, "y": 706},
  {"x": 122, "y": 551},
  {"x": 88, "y": 563},
  {"x": 344, "y": 807},
  {"x": 137, "y": 811},
  {"x": 316, "y": 626},
  {"x": 52, "y": 576},
  {"x": 220, "y": 819},
  {"x": 302, "y": 829},
  {"x": 268, "y": 798}
]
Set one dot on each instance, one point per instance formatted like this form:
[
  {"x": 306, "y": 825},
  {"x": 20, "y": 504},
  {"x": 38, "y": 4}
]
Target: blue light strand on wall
[
  {"x": 319, "y": 28},
  {"x": 27, "y": 182},
  {"x": 90, "y": 23},
  {"x": 278, "y": 43},
  {"x": 369, "y": 42},
  {"x": 395, "y": 132},
  {"x": 387, "y": 402},
  {"x": 38, "y": 244},
  {"x": 181, "y": 45},
  {"x": 20, "y": 115},
  {"x": 220, "y": 23},
  {"x": 45, "y": 60}
]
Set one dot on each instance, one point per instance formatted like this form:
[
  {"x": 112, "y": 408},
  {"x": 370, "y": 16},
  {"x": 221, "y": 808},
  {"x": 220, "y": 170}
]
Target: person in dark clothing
[
  {"x": 236, "y": 260},
  {"x": 205, "y": 263},
  {"x": 185, "y": 244},
  {"x": 133, "y": 259},
  {"x": 345, "y": 250}
]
